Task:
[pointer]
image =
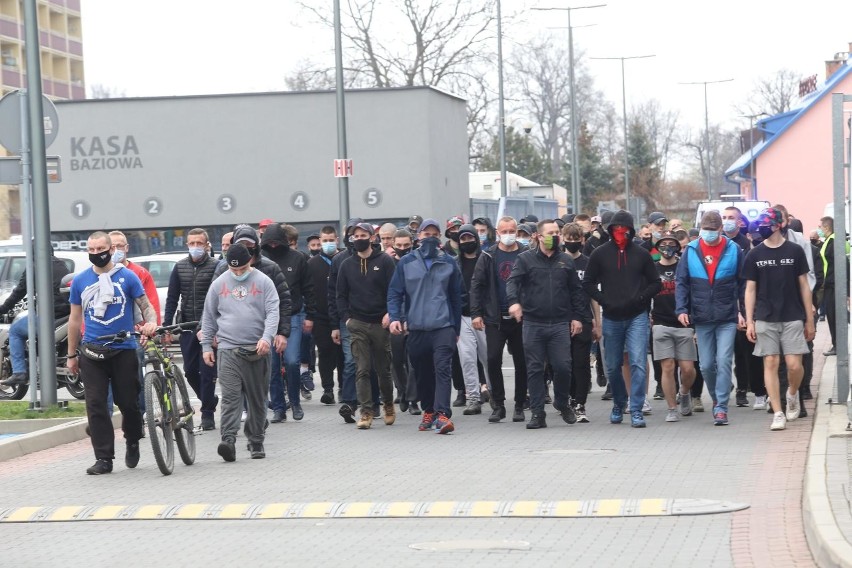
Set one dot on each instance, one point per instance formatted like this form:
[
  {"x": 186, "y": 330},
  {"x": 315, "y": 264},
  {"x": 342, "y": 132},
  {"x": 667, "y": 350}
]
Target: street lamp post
[
  {"x": 575, "y": 150},
  {"x": 751, "y": 118},
  {"x": 342, "y": 182},
  {"x": 707, "y": 130},
  {"x": 500, "y": 110},
  {"x": 624, "y": 115}
]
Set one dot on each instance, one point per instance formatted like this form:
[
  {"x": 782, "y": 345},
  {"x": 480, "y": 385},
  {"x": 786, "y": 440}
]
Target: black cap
[
  {"x": 311, "y": 237},
  {"x": 238, "y": 255}
]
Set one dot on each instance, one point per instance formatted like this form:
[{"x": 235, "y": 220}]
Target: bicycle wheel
[
  {"x": 159, "y": 423},
  {"x": 185, "y": 429}
]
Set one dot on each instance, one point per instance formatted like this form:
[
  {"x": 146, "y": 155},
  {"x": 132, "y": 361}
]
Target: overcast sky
[{"x": 182, "y": 47}]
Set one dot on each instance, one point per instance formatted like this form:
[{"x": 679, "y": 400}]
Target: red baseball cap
[{"x": 264, "y": 222}]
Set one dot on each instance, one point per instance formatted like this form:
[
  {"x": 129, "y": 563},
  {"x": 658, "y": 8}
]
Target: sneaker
[
  {"x": 567, "y": 411},
  {"x": 327, "y": 397},
  {"x": 672, "y": 415},
  {"x": 208, "y": 423},
  {"x": 779, "y": 422},
  {"x": 460, "y": 400},
  {"x": 390, "y": 413},
  {"x": 617, "y": 415},
  {"x": 547, "y": 398},
  {"x": 346, "y": 411},
  {"x": 100, "y": 467},
  {"x": 307, "y": 379},
  {"x": 646, "y": 408},
  {"x": 697, "y": 405},
  {"x": 637, "y": 419},
  {"x": 131, "y": 457},
  {"x": 742, "y": 398},
  {"x": 498, "y": 414},
  {"x": 243, "y": 416},
  {"x": 518, "y": 415},
  {"x": 526, "y": 403},
  {"x": 473, "y": 407},
  {"x": 684, "y": 402},
  {"x": 658, "y": 394},
  {"x": 306, "y": 394},
  {"x": 720, "y": 418},
  {"x": 793, "y": 409},
  {"x": 403, "y": 405},
  {"x": 760, "y": 402},
  {"x": 443, "y": 425},
  {"x": 601, "y": 380},
  {"x": 607, "y": 395},
  {"x": 427, "y": 421},
  {"x": 298, "y": 413},
  {"x": 485, "y": 394},
  {"x": 414, "y": 408},
  {"x": 580, "y": 413},
  {"x": 830, "y": 352},
  {"x": 366, "y": 420},
  {"x": 256, "y": 450},
  {"x": 278, "y": 416},
  {"x": 19, "y": 379},
  {"x": 806, "y": 393},
  {"x": 227, "y": 451},
  {"x": 537, "y": 421}
]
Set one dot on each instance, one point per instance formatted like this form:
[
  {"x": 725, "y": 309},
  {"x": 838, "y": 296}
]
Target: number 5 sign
[{"x": 342, "y": 168}]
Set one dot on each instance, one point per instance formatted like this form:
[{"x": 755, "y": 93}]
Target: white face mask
[{"x": 508, "y": 240}]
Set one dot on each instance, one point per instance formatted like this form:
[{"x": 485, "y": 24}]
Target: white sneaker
[
  {"x": 646, "y": 408},
  {"x": 244, "y": 416},
  {"x": 672, "y": 415},
  {"x": 684, "y": 401},
  {"x": 793, "y": 409},
  {"x": 759, "y": 403},
  {"x": 779, "y": 421}
]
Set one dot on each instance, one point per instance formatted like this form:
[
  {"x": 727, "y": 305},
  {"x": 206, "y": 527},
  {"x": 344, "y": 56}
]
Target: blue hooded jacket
[
  {"x": 431, "y": 297},
  {"x": 704, "y": 302}
]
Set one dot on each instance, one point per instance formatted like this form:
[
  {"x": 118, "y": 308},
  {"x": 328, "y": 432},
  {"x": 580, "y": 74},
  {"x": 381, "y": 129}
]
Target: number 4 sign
[{"x": 342, "y": 168}]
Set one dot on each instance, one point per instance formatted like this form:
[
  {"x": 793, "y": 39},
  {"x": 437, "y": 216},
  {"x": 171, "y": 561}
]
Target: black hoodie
[
  {"x": 294, "y": 266},
  {"x": 362, "y": 287},
  {"x": 628, "y": 279}
]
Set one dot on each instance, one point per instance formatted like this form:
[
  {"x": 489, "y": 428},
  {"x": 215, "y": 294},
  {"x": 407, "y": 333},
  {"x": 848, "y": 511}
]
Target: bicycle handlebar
[{"x": 124, "y": 334}]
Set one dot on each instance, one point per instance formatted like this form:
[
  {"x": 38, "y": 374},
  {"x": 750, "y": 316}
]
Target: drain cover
[{"x": 469, "y": 545}]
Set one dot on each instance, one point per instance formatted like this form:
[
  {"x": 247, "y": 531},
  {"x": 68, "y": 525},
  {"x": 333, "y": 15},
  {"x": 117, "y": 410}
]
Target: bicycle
[{"x": 169, "y": 412}]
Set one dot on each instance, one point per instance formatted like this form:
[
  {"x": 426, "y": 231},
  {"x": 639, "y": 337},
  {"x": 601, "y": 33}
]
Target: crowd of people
[{"x": 398, "y": 319}]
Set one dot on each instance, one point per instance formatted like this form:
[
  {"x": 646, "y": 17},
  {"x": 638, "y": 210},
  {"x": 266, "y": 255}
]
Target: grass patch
[{"x": 19, "y": 410}]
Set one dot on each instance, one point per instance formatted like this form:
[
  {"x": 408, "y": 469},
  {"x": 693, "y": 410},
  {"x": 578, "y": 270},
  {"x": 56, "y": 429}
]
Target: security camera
[{"x": 527, "y": 126}]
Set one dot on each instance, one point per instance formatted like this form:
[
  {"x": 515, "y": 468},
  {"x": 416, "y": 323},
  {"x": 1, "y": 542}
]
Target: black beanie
[{"x": 238, "y": 255}]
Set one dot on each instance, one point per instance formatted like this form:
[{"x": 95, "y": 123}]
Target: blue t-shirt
[{"x": 118, "y": 316}]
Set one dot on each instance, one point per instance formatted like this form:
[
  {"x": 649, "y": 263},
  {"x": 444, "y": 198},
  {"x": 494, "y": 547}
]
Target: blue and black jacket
[
  {"x": 427, "y": 298},
  {"x": 704, "y": 302}
]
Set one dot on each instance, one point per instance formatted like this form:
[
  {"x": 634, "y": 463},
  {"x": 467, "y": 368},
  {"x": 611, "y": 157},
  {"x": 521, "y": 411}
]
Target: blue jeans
[
  {"x": 715, "y": 356},
  {"x": 292, "y": 358},
  {"x": 630, "y": 335},
  {"x": 349, "y": 367},
  {"x": 18, "y": 334}
]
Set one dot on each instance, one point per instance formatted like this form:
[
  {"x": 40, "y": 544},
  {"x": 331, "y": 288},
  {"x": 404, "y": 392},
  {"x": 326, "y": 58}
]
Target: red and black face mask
[{"x": 621, "y": 235}]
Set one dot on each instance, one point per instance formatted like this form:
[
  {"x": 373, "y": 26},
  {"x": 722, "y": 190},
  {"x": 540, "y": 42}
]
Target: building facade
[{"x": 63, "y": 77}]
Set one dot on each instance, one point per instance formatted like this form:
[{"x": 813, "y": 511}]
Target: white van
[{"x": 750, "y": 208}]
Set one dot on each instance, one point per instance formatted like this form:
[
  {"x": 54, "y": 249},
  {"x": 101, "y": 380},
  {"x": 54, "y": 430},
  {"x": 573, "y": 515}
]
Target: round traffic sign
[{"x": 10, "y": 122}]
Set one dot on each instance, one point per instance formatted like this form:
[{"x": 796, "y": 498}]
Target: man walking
[
  {"x": 241, "y": 312},
  {"x": 546, "y": 293},
  {"x": 708, "y": 291},
  {"x": 425, "y": 297}
]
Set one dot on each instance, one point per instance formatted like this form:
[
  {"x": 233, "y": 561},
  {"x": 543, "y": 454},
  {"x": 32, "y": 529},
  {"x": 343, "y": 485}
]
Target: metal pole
[
  {"x": 751, "y": 160},
  {"x": 41, "y": 213},
  {"x": 707, "y": 145},
  {"x": 27, "y": 237},
  {"x": 500, "y": 109},
  {"x": 342, "y": 182},
  {"x": 575, "y": 151},
  {"x": 841, "y": 284},
  {"x": 626, "y": 153}
]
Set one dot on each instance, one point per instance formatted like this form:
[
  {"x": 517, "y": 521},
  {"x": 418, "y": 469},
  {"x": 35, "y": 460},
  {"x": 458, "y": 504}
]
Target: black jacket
[
  {"x": 547, "y": 288},
  {"x": 628, "y": 279},
  {"x": 331, "y": 292},
  {"x": 294, "y": 266},
  {"x": 319, "y": 268},
  {"x": 462, "y": 261},
  {"x": 188, "y": 284},
  {"x": 362, "y": 287},
  {"x": 484, "y": 296},
  {"x": 284, "y": 306},
  {"x": 61, "y": 307}
]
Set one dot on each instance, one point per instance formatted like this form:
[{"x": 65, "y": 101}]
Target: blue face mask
[
  {"x": 329, "y": 248},
  {"x": 429, "y": 247},
  {"x": 241, "y": 277},
  {"x": 197, "y": 252},
  {"x": 523, "y": 242},
  {"x": 729, "y": 225},
  {"x": 708, "y": 236},
  {"x": 482, "y": 237},
  {"x": 118, "y": 256}
]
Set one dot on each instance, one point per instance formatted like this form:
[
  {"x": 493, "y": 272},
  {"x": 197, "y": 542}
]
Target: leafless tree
[
  {"x": 100, "y": 91},
  {"x": 724, "y": 150},
  {"x": 772, "y": 94},
  {"x": 661, "y": 127}
]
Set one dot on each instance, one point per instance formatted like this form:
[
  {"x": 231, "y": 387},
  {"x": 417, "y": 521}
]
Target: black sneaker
[
  {"x": 346, "y": 412},
  {"x": 547, "y": 398},
  {"x": 306, "y": 394},
  {"x": 208, "y": 423},
  {"x": 460, "y": 400},
  {"x": 607, "y": 395},
  {"x": 100, "y": 467},
  {"x": 307, "y": 379},
  {"x": 278, "y": 416},
  {"x": 658, "y": 394},
  {"x": 227, "y": 451},
  {"x": 536, "y": 422},
  {"x": 742, "y": 399},
  {"x": 414, "y": 408},
  {"x": 498, "y": 414},
  {"x": 806, "y": 393},
  {"x": 403, "y": 406},
  {"x": 568, "y": 413},
  {"x": 831, "y": 352},
  {"x": 256, "y": 450},
  {"x": 601, "y": 379},
  {"x": 327, "y": 397},
  {"x": 298, "y": 413},
  {"x": 518, "y": 415},
  {"x": 527, "y": 403},
  {"x": 131, "y": 457}
]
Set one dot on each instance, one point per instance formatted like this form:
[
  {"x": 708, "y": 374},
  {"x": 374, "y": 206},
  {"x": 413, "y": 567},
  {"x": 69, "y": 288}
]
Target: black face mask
[
  {"x": 815, "y": 242},
  {"x": 765, "y": 231},
  {"x": 315, "y": 252},
  {"x": 276, "y": 252},
  {"x": 360, "y": 245},
  {"x": 377, "y": 247},
  {"x": 573, "y": 247},
  {"x": 646, "y": 239},
  {"x": 667, "y": 251},
  {"x": 100, "y": 259},
  {"x": 401, "y": 252},
  {"x": 469, "y": 247}
]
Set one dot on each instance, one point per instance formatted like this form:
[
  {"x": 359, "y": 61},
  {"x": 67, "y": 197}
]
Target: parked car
[
  {"x": 12, "y": 265},
  {"x": 160, "y": 266}
]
